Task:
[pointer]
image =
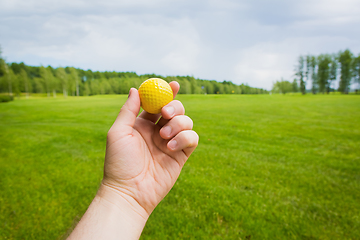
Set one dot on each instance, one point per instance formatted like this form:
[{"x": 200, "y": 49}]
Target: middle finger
[{"x": 176, "y": 125}]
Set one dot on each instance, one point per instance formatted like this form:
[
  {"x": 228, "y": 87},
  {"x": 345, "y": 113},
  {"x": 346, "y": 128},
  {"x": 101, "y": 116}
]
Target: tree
[
  {"x": 87, "y": 91},
  {"x": 192, "y": 84},
  {"x": 295, "y": 86},
  {"x": 185, "y": 86},
  {"x": 52, "y": 80},
  {"x": 323, "y": 72},
  {"x": 114, "y": 85},
  {"x": 3, "y": 82},
  {"x": 18, "y": 77},
  {"x": 333, "y": 71},
  {"x": 313, "y": 64},
  {"x": 62, "y": 76},
  {"x": 282, "y": 86},
  {"x": 75, "y": 79},
  {"x": 8, "y": 77},
  {"x": 15, "y": 81},
  {"x": 345, "y": 60},
  {"x": 308, "y": 68},
  {"x": 38, "y": 85},
  {"x": 95, "y": 88},
  {"x": 25, "y": 79},
  {"x": 356, "y": 69},
  {"x": 300, "y": 74},
  {"x": 105, "y": 87},
  {"x": 45, "y": 76}
]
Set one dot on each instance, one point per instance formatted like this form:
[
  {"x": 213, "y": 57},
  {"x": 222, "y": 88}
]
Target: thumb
[{"x": 125, "y": 121}]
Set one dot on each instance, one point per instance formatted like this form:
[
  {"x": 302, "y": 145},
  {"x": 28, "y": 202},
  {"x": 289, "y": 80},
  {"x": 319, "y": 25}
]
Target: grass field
[{"x": 267, "y": 167}]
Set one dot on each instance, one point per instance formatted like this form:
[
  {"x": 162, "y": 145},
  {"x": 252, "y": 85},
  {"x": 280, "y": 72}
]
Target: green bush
[{"x": 6, "y": 98}]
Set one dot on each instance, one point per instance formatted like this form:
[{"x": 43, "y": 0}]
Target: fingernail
[
  {"x": 129, "y": 93},
  {"x": 169, "y": 110},
  {"x": 167, "y": 130},
  {"x": 172, "y": 144}
]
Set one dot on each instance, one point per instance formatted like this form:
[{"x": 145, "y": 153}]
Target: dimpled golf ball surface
[{"x": 155, "y": 93}]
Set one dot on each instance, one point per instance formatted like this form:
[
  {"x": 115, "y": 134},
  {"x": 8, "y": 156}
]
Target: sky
[{"x": 255, "y": 42}]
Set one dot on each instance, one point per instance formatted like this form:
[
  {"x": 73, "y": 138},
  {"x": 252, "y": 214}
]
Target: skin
[{"x": 144, "y": 157}]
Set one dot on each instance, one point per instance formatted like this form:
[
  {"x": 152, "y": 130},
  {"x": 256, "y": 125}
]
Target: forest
[
  {"x": 322, "y": 72},
  {"x": 19, "y": 78}
]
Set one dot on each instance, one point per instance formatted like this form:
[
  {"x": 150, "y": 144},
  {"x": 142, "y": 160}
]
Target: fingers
[
  {"x": 155, "y": 117},
  {"x": 186, "y": 141},
  {"x": 175, "y": 86},
  {"x": 176, "y": 125},
  {"x": 174, "y": 108},
  {"x": 127, "y": 116}
]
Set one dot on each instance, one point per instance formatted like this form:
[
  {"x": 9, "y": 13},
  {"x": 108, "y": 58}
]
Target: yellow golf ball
[{"x": 155, "y": 93}]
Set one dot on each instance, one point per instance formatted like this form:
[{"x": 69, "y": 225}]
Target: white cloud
[
  {"x": 256, "y": 42},
  {"x": 153, "y": 44},
  {"x": 183, "y": 55},
  {"x": 264, "y": 63},
  {"x": 329, "y": 8}
]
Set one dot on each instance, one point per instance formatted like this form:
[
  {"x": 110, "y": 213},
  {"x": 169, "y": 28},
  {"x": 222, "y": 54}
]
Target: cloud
[
  {"x": 122, "y": 42},
  {"x": 329, "y": 8},
  {"x": 256, "y": 42},
  {"x": 264, "y": 63}
]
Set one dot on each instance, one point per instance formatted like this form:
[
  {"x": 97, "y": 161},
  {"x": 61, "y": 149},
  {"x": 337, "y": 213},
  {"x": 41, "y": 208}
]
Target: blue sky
[{"x": 255, "y": 42}]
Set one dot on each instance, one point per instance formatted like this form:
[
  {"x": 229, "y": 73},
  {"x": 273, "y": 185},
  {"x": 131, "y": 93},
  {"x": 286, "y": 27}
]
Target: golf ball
[{"x": 155, "y": 93}]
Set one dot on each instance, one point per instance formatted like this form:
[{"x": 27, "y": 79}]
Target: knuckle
[
  {"x": 190, "y": 121},
  {"x": 178, "y": 106},
  {"x": 190, "y": 138},
  {"x": 184, "y": 121},
  {"x": 197, "y": 138},
  {"x": 189, "y": 135},
  {"x": 177, "y": 102},
  {"x": 186, "y": 138}
]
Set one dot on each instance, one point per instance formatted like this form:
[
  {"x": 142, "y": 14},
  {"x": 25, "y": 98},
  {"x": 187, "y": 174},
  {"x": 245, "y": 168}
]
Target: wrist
[
  {"x": 123, "y": 202},
  {"x": 111, "y": 216}
]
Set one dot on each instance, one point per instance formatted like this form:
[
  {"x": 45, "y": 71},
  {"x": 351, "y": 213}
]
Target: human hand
[{"x": 145, "y": 154}]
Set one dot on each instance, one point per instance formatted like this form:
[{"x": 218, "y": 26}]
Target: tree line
[
  {"x": 17, "y": 78},
  {"x": 321, "y": 72}
]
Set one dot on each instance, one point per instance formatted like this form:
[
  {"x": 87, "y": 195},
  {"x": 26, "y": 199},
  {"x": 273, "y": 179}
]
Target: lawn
[{"x": 267, "y": 167}]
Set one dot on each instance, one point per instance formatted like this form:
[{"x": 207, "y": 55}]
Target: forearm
[{"x": 111, "y": 216}]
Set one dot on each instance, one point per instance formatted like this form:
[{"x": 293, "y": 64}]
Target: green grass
[{"x": 267, "y": 167}]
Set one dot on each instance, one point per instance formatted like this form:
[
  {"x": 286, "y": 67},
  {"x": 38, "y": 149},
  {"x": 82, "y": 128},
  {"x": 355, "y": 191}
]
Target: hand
[
  {"x": 144, "y": 157},
  {"x": 145, "y": 154}
]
